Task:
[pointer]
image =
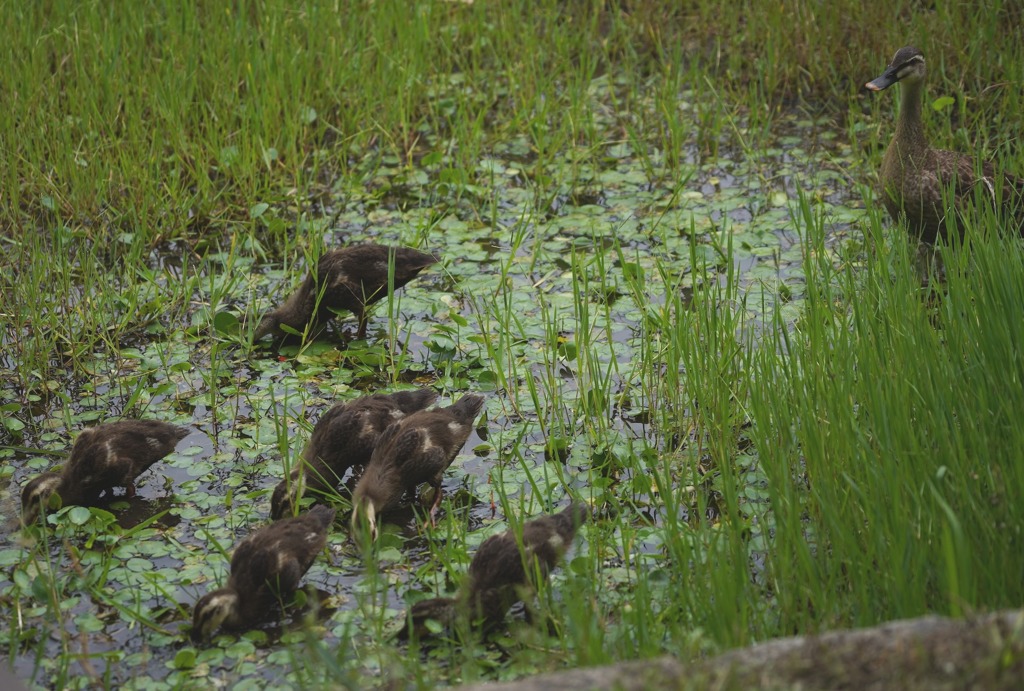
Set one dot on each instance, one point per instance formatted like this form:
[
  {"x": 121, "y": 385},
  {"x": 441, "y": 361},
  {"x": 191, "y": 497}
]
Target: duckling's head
[
  {"x": 268, "y": 325},
  {"x": 442, "y": 610},
  {"x": 213, "y": 609},
  {"x": 37, "y": 494},
  {"x": 363, "y": 513},
  {"x": 286, "y": 496},
  {"x": 281, "y": 504},
  {"x": 907, "y": 66}
]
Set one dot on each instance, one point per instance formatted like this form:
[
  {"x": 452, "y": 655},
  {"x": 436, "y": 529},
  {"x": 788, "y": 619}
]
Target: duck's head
[
  {"x": 37, "y": 495},
  {"x": 212, "y": 610},
  {"x": 906, "y": 66}
]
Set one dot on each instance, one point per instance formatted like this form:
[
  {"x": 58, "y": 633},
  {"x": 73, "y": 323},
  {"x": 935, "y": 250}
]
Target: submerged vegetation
[{"x": 661, "y": 262}]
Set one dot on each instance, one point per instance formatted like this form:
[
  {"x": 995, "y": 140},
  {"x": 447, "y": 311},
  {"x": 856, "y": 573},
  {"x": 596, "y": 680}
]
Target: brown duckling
[
  {"x": 915, "y": 176},
  {"x": 416, "y": 449},
  {"x": 344, "y": 437},
  {"x": 352, "y": 278},
  {"x": 102, "y": 457},
  {"x": 505, "y": 570},
  {"x": 266, "y": 568}
]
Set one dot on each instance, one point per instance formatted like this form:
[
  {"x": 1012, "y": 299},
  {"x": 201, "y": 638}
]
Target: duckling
[
  {"x": 914, "y": 176},
  {"x": 505, "y": 570},
  {"x": 343, "y": 437},
  {"x": 414, "y": 450},
  {"x": 352, "y": 278},
  {"x": 265, "y": 572},
  {"x": 102, "y": 457}
]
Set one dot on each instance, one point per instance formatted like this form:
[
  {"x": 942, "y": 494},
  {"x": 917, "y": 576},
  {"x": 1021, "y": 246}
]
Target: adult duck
[{"x": 916, "y": 180}]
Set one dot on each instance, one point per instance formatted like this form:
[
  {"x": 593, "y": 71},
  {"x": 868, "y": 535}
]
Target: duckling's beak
[
  {"x": 369, "y": 517},
  {"x": 885, "y": 80}
]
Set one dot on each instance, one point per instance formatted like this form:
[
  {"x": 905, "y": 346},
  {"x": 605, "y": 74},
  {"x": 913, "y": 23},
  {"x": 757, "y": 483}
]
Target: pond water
[{"x": 540, "y": 303}]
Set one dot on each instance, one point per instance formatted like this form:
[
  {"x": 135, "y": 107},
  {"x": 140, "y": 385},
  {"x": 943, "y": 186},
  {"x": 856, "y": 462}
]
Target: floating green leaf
[
  {"x": 226, "y": 323},
  {"x": 79, "y": 515},
  {"x": 185, "y": 659}
]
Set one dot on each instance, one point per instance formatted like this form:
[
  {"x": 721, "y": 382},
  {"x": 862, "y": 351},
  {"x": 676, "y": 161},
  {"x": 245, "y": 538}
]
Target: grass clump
[{"x": 892, "y": 435}]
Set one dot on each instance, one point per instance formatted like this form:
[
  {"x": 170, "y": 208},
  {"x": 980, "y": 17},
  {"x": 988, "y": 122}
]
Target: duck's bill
[{"x": 887, "y": 79}]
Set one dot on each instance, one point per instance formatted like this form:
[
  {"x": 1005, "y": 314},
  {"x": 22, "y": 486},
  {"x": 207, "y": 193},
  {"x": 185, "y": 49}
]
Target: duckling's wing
[
  {"x": 423, "y": 456},
  {"x": 301, "y": 539},
  {"x": 497, "y": 563},
  {"x": 254, "y": 564},
  {"x": 274, "y": 558},
  {"x": 387, "y": 444},
  {"x": 115, "y": 454},
  {"x": 403, "y": 450},
  {"x": 409, "y": 402},
  {"x": 347, "y": 437},
  {"x": 360, "y": 273},
  {"x": 328, "y": 445},
  {"x": 545, "y": 540},
  {"x": 337, "y": 276},
  {"x": 496, "y": 577},
  {"x": 97, "y": 464}
]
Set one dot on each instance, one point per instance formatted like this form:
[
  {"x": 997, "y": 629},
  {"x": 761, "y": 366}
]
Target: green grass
[
  {"x": 901, "y": 415},
  {"x": 657, "y": 263}
]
